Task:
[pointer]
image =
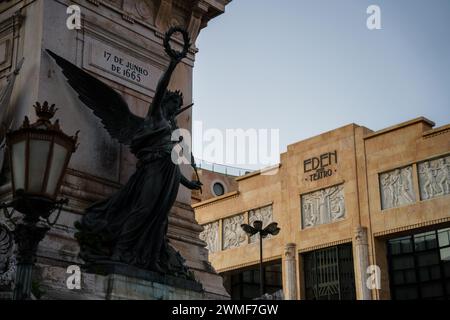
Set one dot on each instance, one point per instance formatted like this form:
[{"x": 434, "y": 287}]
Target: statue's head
[{"x": 172, "y": 102}]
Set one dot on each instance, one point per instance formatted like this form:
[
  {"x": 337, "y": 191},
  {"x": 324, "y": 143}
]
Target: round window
[{"x": 218, "y": 189}]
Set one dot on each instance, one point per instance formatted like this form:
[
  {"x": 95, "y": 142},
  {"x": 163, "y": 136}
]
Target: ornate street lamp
[
  {"x": 263, "y": 233},
  {"x": 39, "y": 154}
]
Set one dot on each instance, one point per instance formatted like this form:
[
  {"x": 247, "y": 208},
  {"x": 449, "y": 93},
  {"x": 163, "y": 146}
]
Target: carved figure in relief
[
  {"x": 213, "y": 237},
  {"x": 338, "y": 209},
  {"x": 387, "y": 191},
  {"x": 310, "y": 215},
  {"x": 397, "y": 187},
  {"x": 429, "y": 185},
  {"x": 210, "y": 236},
  {"x": 444, "y": 176},
  {"x": 233, "y": 234},
  {"x": 263, "y": 214},
  {"x": 323, "y": 206},
  {"x": 406, "y": 188},
  {"x": 394, "y": 187}
]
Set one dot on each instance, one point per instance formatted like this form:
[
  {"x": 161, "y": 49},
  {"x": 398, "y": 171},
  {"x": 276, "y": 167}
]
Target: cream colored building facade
[{"x": 363, "y": 215}]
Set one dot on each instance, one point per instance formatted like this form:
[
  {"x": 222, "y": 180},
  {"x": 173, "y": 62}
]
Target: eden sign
[{"x": 319, "y": 167}]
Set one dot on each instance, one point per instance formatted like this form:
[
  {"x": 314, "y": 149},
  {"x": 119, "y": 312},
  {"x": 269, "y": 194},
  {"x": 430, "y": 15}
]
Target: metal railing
[{"x": 220, "y": 168}]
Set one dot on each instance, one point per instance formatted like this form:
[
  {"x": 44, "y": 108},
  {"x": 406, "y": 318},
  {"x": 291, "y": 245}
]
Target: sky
[{"x": 309, "y": 66}]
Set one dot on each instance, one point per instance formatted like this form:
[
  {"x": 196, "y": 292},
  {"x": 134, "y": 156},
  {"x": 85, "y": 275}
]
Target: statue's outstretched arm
[
  {"x": 193, "y": 185},
  {"x": 156, "y": 106},
  {"x": 175, "y": 58}
]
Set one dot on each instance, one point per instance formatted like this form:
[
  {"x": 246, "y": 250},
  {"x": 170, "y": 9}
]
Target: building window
[
  {"x": 244, "y": 284},
  {"x": 419, "y": 266},
  {"x": 323, "y": 206},
  {"x": 218, "y": 189},
  {"x": 329, "y": 274}
]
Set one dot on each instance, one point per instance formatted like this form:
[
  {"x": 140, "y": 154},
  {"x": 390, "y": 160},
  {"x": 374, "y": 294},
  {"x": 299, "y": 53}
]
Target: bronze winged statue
[{"x": 130, "y": 227}]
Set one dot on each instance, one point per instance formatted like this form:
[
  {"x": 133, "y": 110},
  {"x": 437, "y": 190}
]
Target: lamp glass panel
[
  {"x": 38, "y": 158},
  {"x": 56, "y": 168},
  {"x": 18, "y": 165}
]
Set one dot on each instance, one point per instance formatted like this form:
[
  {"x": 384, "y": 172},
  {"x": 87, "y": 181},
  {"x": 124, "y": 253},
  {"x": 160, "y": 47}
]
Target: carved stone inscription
[
  {"x": 323, "y": 206},
  {"x": 397, "y": 188},
  {"x": 434, "y": 178},
  {"x": 233, "y": 235},
  {"x": 263, "y": 214},
  {"x": 210, "y": 235},
  {"x": 121, "y": 67}
]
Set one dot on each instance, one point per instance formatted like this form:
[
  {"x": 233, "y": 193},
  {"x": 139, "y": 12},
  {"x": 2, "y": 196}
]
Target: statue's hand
[
  {"x": 177, "y": 56},
  {"x": 197, "y": 185}
]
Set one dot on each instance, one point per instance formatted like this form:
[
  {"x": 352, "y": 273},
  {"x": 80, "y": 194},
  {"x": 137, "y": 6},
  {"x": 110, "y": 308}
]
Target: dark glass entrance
[
  {"x": 329, "y": 274},
  {"x": 419, "y": 266},
  {"x": 243, "y": 284}
]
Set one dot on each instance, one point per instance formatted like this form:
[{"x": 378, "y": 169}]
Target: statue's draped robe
[{"x": 133, "y": 222}]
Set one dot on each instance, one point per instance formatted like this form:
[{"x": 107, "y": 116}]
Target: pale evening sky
[{"x": 310, "y": 66}]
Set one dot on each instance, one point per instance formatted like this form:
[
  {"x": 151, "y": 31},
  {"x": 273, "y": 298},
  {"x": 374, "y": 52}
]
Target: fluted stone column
[
  {"x": 290, "y": 290},
  {"x": 361, "y": 260}
]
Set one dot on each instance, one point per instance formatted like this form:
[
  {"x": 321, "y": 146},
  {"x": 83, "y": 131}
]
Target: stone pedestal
[
  {"x": 290, "y": 264},
  {"x": 116, "y": 284},
  {"x": 361, "y": 258},
  {"x": 125, "y": 288}
]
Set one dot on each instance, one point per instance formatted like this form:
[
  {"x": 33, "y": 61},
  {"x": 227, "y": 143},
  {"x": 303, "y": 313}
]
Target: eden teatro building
[{"x": 363, "y": 215}]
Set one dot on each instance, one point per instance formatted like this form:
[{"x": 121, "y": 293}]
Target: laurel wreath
[{"x": 177, "y": 55}]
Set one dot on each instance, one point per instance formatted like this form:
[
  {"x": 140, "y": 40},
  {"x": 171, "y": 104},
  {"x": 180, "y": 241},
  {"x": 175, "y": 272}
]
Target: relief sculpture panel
[
  {"x": 7, "y": 259},
  {"x": 434, "y": 178},
  {"x": 144, "y": 10},
  {"x": 210, "y": 235},
  {"x": 323, "y": 206},
  {"x": 233, "y": 235},
  {"x": 397, "y": 188}
]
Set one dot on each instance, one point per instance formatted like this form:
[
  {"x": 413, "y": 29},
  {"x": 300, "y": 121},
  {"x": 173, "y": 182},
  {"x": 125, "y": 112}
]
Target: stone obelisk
[{"x": 121, "y": 43}]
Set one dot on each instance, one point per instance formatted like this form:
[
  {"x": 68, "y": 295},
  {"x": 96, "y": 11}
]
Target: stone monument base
[{"x": 112, "y": 282}]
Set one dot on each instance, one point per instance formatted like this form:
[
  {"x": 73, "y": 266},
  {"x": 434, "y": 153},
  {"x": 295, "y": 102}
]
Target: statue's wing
[{"x": 106, "y": 103}]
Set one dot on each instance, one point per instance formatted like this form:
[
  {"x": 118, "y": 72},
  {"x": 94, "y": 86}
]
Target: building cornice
[
  {"x": 259, "y": 172},
  {"x": 410, "y": 227},
  {"x": 325, "y": 245},
  {"x": 249, "y": 264},
  {"x": 214, "y": 200},
  {"x": 437, "y": 131},
  {"x": 400, "y": 126}
]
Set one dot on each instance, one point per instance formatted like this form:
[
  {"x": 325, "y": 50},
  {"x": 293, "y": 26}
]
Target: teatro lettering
[{"x": 319, "y": 167}]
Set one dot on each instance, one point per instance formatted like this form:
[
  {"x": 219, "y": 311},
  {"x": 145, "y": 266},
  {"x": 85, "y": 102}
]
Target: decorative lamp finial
[{"x": 45, "y": 112}]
